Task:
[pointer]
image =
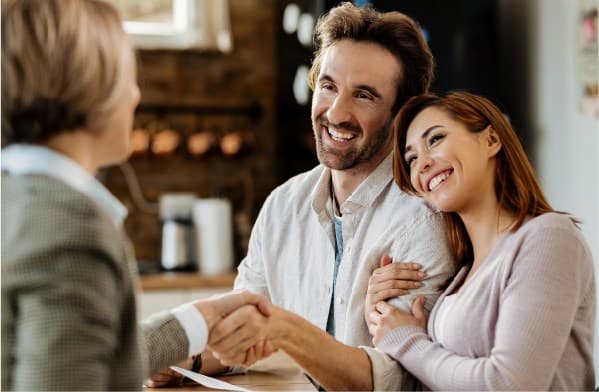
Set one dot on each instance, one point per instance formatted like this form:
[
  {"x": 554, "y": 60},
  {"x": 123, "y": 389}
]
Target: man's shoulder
[
  {"x": 297, "y": 189},
  {"x": 409, "y": 208}
]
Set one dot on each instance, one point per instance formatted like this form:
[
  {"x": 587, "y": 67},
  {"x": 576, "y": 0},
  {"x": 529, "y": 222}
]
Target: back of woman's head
[
  {"x": 63, "y": 64},
  {"x": 516, "y": 186}
]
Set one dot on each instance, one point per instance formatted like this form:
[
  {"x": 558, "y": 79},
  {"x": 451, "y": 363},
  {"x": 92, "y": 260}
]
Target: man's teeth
[
  {"x": 438, "y": 179},
  {"x": 340, "y": 136}
]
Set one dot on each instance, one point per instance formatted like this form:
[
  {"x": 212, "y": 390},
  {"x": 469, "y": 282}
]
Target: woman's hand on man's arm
[{"x": 391, "y": 280}]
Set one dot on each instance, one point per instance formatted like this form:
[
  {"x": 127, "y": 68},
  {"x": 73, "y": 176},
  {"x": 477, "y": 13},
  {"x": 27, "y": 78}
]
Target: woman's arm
[
  {"x": 549, "y": 279},
  {"x": 67, "y": 321}
]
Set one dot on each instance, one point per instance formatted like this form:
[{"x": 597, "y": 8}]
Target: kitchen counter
[
  {"x": 186, "y": 280},
  {"x": 276, "y": 373}
]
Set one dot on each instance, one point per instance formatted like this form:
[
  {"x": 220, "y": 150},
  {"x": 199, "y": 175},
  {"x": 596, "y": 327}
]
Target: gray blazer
[{"x": 68, "y": 296}]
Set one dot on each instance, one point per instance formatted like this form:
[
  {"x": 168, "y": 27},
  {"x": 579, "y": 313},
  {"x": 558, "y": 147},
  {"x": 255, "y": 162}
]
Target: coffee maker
[{"x": 178, "y": 235}]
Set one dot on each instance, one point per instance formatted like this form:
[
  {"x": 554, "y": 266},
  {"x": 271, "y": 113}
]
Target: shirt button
[
  {"x": 329, "y": 289},
  {"x": 339, "y": 300}
]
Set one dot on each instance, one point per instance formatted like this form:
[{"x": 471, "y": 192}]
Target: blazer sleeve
[
  {"x": 67, "y": 321},
  {"x": 166, "y": 341}
]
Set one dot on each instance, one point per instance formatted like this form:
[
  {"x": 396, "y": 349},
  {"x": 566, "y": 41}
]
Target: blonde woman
[{"x": 68, "y": 277}]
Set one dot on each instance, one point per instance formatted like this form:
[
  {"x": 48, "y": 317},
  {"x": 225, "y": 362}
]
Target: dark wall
[{"x": 463, "y": 36}]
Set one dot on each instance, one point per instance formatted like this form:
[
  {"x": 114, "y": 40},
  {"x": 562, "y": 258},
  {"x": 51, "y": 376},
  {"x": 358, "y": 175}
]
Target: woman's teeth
[{"x": 438, "y": 179}]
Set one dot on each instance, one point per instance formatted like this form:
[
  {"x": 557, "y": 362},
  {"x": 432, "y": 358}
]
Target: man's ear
[{"x": 493, "y": 143}]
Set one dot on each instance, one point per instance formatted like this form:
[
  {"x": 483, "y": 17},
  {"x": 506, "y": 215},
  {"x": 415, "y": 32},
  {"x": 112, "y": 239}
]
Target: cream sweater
[{"x": 524, "y": 321}]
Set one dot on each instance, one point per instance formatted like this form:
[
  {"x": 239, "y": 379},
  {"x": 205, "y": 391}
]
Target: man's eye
[{"x": 364, "y": 96}]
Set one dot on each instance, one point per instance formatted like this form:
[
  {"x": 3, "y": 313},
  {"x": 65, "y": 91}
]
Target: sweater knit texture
[{"x": 523, "y": 321}]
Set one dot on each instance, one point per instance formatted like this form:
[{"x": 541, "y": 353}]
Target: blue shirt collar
[{"x": 23, "y": 159}]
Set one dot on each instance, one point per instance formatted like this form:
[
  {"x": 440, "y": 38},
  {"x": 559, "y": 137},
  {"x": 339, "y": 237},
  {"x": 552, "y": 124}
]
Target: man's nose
[{"x": 340, "y": 110}]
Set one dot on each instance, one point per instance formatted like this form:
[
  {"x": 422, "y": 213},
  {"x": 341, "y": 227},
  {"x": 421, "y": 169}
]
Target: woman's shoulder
[
  {"x": 40, "y": 214},
  {"x": 550, "y": 222},
  {"x": 554, "y": 235},
  {"x": 37, "y": 200}
]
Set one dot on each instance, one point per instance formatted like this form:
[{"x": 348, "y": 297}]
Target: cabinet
[{"x": 166, "y": 291}]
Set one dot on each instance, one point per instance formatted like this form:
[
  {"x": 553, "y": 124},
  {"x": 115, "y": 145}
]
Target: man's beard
[{"x": 359, "y": 154}]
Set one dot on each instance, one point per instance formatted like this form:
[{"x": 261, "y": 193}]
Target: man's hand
[
  {"x": 386, "y": 318},
  {"x": 240, "y": 339},
  {"x": 389, "y": 281},
  {"x": 216, "y": 308}
]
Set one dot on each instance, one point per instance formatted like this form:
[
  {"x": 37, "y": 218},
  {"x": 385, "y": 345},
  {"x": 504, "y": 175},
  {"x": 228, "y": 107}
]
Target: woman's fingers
[
  {"x": 406, "y": 271},
  {"x": 165, "y": 377},
  {"x": 377, "y": 285}
]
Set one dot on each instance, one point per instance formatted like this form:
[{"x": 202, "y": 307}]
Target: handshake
[{"x": 238, "y": 324}]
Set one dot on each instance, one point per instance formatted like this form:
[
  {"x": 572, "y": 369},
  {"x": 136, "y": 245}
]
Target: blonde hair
[{"x": 64, "y": 67}]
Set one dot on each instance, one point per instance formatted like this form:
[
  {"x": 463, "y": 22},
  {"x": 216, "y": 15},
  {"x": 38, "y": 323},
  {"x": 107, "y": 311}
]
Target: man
[{"x": 320, "y": 235}]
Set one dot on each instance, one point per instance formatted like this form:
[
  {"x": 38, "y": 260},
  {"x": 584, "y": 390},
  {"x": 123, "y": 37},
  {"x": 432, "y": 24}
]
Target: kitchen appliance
[
  {"x": 178, "y": 239},
  {"x": 213, "y": 222}
]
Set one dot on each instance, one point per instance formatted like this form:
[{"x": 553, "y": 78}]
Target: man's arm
[
  {"x": 331, "y": 363},
  {"x": 427, "y": 244},
  {"x": 334, "y": 365}
]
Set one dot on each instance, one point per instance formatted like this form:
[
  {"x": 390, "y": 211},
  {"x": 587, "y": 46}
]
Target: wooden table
[{"x": 276, "y": 373}]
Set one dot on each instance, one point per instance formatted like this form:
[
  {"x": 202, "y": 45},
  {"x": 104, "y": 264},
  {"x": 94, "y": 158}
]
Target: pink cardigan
[{"x": 524, "y": 321}]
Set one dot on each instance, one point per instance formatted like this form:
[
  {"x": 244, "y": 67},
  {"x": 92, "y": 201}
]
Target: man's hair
[
  {"x": 394, "y": 31},
  {"x": 63, "y": 67}
]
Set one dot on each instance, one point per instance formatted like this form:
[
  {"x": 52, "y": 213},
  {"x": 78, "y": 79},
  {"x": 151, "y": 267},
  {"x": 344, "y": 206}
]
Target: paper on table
[{"x": 208, "y": 381}]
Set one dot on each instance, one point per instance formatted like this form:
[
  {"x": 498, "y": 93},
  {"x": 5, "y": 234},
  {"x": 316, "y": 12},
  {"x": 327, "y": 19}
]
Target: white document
[{"x": 209, "y": 382}]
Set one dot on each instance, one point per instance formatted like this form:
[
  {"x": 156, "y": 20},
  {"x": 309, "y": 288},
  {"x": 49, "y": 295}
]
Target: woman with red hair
[{"x": 520, "y": 312}]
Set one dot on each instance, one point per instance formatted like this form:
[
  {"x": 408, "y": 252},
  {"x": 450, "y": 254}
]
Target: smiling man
[{"x": 320, "y": 236}]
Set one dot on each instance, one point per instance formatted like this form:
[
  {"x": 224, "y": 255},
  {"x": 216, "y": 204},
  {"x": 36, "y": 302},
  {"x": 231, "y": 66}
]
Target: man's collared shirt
[{"x": 291, "y": 256}]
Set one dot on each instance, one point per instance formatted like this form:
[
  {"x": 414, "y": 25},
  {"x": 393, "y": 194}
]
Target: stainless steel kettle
[{"x": 178, "y": 235}]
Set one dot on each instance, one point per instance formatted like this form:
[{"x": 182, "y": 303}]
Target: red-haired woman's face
[{"x": 450, "y": 167}]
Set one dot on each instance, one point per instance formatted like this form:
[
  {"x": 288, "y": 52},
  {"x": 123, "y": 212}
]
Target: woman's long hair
[{"x": 516, "y": 186}]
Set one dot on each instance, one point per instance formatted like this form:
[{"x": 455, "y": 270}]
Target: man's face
[{"x": 351, "y": 107}]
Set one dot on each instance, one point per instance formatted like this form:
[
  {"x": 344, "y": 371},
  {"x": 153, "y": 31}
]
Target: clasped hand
[
  {"x": 240, "y": 338},
  {"x": 237, "y": 324},
  {"x": 386, "y": 282}
]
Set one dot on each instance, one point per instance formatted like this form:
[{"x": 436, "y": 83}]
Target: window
[{"x": 177, "y": 24}]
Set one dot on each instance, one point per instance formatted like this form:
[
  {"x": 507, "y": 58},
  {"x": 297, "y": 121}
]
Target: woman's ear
[{"x": 493, "y": 143}]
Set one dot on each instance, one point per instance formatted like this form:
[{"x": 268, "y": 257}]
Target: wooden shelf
[{"x": 189, "y": 280}]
